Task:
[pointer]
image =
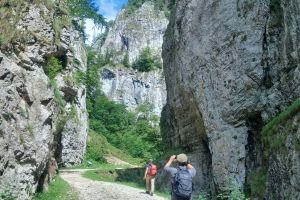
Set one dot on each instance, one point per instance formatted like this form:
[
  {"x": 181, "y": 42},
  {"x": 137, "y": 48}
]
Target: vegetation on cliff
[
  {"x": 163, "y": 5},
  {"x": 12, "y": 11},
  {"x": 147, "y": 61},
  {"x": 135, "y": 133}
]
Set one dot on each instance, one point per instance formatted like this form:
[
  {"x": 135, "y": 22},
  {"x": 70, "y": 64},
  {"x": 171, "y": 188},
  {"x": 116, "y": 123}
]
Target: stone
[
  {"x": 132, "y": 88},
  {"x": 29, "y": 111},
  {"x": 230, "y": 66}
]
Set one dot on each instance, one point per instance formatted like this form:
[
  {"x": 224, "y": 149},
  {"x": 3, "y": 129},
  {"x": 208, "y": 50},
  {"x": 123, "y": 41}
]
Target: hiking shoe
[
  {"x": 151, "y": 194},
  {"x": 147, "y": 192}
]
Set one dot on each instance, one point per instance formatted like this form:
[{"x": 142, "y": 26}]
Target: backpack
[
  {"x": 152, "y": 171},
  {"x": 183, "y": 184}
]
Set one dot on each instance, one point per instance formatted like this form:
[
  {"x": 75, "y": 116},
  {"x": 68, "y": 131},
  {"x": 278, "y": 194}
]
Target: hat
[{"x": 182, "y": 158}]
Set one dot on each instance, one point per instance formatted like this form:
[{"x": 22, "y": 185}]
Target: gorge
[{"x": 224, "y": 79}]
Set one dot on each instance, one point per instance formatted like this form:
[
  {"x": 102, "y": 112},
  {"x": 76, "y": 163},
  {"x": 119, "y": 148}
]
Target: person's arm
[
  {"x": 168, "y": 164},
  {"x": 146, "y": 171}
]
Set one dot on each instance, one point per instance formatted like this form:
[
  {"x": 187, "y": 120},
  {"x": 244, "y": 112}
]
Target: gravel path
[{"x": 98, "y": 190}]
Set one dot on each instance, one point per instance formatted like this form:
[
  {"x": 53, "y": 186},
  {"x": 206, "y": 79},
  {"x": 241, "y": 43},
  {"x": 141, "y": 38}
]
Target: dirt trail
[{"x": 98, "y": 190}]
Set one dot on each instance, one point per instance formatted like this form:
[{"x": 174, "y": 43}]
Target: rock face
[
  {"x": 133, "y": 32},
  {"x": 132, "y": 88},
  {"x": 284, "y": 164},
  {"x": 230, "y": 66},
  {"x": 35, "y": 124}
]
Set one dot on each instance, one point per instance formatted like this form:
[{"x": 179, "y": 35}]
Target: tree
[
  {"x": 86, "y": 9},
  {"x": 146, "y": 61}
]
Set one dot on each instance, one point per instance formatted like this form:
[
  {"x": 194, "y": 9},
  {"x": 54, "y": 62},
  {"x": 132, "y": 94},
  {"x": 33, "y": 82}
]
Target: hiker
[
  {"x": 182, "y": 183},
  {"x": 149, "y": 176}
]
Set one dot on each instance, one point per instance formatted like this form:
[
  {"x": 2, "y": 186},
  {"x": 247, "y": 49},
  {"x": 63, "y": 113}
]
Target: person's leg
[
  {"x": 148, "y": 185},
  {"x": 152, "y": 185}
]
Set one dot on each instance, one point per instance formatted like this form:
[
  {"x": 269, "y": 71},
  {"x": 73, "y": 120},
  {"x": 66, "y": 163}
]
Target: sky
[{"x": 109, "y": 9}]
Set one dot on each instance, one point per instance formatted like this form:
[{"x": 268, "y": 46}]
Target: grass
[
  {"x": 257, "y": 181},
  {"x": 132, "y": 177},
  {"x": 59, "y": 189},
  {"x": 270, "y": 131}
]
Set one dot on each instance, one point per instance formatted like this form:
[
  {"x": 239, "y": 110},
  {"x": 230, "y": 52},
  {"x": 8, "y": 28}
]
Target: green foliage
[
  {"x": 162, "y": 5},
  {"x": 146, "y": 61},
  {"x": 59, "y": 189},
  {"x": 80, "y": 77},
  {"x": 11, "y": 11},
  {"x": 202, "y": 196},
  {"x": 96, "y": 147},
  {"x": 85, "y": 9},
  {"x": 7, "y": 195},
  {"x": 233, "y": 191},
  {"x": 257, "y": 181},
  {"x": 126, "y": 61},
  {"x": 136, "y": 136},
  {"x": 270, "y": 137},
  {"x": 53, "y": 67},
  {"x": 58, "y": 98}
]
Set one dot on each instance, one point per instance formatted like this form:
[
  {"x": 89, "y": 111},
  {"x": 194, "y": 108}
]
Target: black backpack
[{"x": 183, "y": 184}]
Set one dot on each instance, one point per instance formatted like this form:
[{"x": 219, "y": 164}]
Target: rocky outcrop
[
  {"x": 230, "y": 67},
  {"x": 40, "y": 119},
  {"x": 131, "y": 33},
  {"x": 132, "y": 88}
]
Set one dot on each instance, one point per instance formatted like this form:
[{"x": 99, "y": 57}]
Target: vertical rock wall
[
  {"x": 132, "y": 88},
  {"x": 230, "y": 66},
  {"x": 33, "y": 128},
  {"x": 131, "y": 33}
]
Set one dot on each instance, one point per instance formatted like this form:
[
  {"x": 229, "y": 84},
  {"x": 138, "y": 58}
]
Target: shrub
[
  {"x": 146, "y": 61},
  {"x": 96, "y": 147},
  {"x": 137, "y": 137},
  {"x": 58, "y": 98},
  {"x": 80, "y": 77},
  {"x": 53, "y": 67}
]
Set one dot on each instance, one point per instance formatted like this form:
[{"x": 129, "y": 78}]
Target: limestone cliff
[
  {"x": 132, "y": 88},
  {"x": 131, "y": 34},
  {"x": 39, "y": 118},
  {"x": 231, "y": 66}
]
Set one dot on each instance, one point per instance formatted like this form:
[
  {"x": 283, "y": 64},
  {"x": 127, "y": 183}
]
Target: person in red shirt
[{"x": 149, "y": 176}]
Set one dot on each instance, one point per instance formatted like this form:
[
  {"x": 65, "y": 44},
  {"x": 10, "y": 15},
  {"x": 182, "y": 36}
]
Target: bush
[
  {"x": 86, "y": 9},
  {"x": 136, "y": 136},
  {"x": 53, "y": 67},
  {"x": 146, "y": 61},
  {"x": 96, "y": 147}
]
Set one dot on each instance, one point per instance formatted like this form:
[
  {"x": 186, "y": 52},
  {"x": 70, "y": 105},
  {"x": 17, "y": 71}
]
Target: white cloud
[
  {"x": 91, "y": 31},
  {"x": 108, "y": 8}
]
